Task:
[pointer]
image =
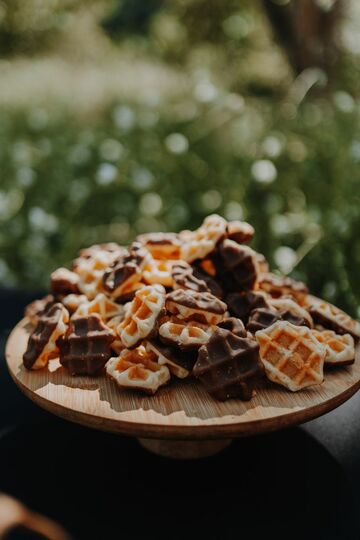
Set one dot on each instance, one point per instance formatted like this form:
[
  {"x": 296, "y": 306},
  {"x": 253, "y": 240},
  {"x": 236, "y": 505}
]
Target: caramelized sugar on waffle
[
  {"x": 85, "y": 347},
  {"x": 184, "y": 334},
  {"x": 229, "y": 366},
  {"x": 63, "y": 282},
  {"x": 333, "y": 318},
  {"x": 141, "y": 318},
  {"x": 340, "y": 349},
  {"x": 179, "y": 362},
  {"x": 41, "y": 346},
  {"x": 138, "y": 369},
  {"x": 292, "y": 355},
  {"x": 172, "y": 301}
]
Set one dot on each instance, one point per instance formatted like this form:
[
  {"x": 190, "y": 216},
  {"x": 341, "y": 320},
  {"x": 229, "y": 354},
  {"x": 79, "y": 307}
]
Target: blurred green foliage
[{"x": 287, "y": 161}]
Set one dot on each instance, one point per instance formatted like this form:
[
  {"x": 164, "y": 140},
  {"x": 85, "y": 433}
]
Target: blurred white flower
[
  {"x": 106, "y": 174},
  {"x": 272, "y": 146},
  {"x": 25, "y": 176},
  {"x": 344, "y": 101},
  {"x": 264, "y": 171},
  {"x": 205, "y": 91},
  {"x": 177, "y": 143}
]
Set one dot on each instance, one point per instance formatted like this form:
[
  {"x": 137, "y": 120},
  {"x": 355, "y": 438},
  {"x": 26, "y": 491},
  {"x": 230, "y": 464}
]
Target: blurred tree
[{"x": 131, "y": 16}]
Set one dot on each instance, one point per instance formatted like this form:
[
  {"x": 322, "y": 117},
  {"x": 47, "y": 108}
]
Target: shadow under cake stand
[{"x": 181, "y": 420}]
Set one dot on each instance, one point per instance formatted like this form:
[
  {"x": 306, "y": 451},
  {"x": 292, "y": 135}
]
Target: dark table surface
[{"x": 300, "y": 483}]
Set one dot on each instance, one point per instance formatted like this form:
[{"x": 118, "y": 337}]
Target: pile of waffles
[{"x": 197, "y": 304}]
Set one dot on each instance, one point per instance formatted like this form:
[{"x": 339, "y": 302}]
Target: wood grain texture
[{"x": 182, "y": 410}]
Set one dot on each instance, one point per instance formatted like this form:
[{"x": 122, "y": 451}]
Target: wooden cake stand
[{"x": 181, "y": 420}]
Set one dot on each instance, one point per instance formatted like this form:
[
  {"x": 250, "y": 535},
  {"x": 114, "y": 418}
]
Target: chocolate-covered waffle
[
  {"x": 125, "y": 273},
  {"x": 63, "y": 282},
  {"x": 340, "y": 349},
  {"x": 184, "y": 278},
  {"x": 291, "y": 311},
  {"x": 292, "y": 355},
  {"x": 42, "y": 341},
  {"x": 236, "y": 266},
  {"x": 199, "y": 243},
  {"x": 240, "y": 231},
  {"x": 234, "y": 325},
  {"x": 229, "y": 366},
  {"x": 203, "y": 307},
  {"x": 179, "y": 362},
  {"x": 138, "y": 369},
  {"x": 86, "y": 346},
  {"x": 277, "y": 286},
  {"x": 184, "y": 334},
  {"x": 35, "y": 309},
  {"x": 262, "y": 318},
  {"x": 242, "y": 304},
  {"x": 141, "y": 318},
  {"x": 332, "y": 318}
]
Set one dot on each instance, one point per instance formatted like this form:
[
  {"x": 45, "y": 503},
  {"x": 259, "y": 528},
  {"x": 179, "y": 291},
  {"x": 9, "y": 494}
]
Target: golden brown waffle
[
  {"x": 292, "y": 355},
  {"x": 240, "y": 231},
  {"x": 102, "y": 305},
  {"x": 91, "y": 272},
  {"x": 185, "y": 334},
  {"x": 340, "y": 349},
  {"x": 158, "y": 271},
  {"x": 162, "y": 246},
  {"x": 42, "y": 342},
  {"x": 137, "y": 369},
  {"x": 141, "y": 317},
  {"x": 200, "y": 306},
  {"x": 199, "y": 243},
  {"x": 278, "y": 286},
  {"x": 284, "y": 304},
  {"x": 73, "y": 301},
  {"x": 333, "y": 318}
]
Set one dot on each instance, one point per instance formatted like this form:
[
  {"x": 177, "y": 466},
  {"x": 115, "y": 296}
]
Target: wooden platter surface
[{"x": 182, "y": 410}]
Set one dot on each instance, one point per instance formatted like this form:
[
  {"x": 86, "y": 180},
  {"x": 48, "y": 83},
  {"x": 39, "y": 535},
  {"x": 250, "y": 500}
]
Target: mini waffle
[
  {"x": 63, "y": 281},
  {"x": 109, "y": 250},
  {"x": 85, "y": 347},
  {"x": 184, "y": 278},
  {"x": 288, "y": 306},
  {"x": 234, "y": 325},
  {"x": 158, "y": 271},
  {"x": 184, "y": 334},
  {"x": 199, "y": 243},
  {"x": 262, "y": 318},
  {"x": 180, "y": 363},
  {"x": 73, "y": 301},
  {"x": 292, "y": 355},
  {"x": 229, "y": 366},
  {"x": 242, "y": 304},
  {"x": 240, "y": 231},
  {"x": 91, "y": 272},
  {"x": 203, "y": 307},
  {"x": 340, "y": 349},
  {"x": 124, "y": 275},
  {"x": 42, "y": 342},
  {"x": 140, "y": 321},
  {"x": 102, "y": 305},
  {"x": 138, "y": 370},
  {"x": 333, "y": 318},
  {"x": 236, "y": 266},
  {"x": 163, "y": 246},
  {"x": 35, "y": 309},
  {"x": 278, "y": 286},
  {"x": 113, "y": 323}
]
